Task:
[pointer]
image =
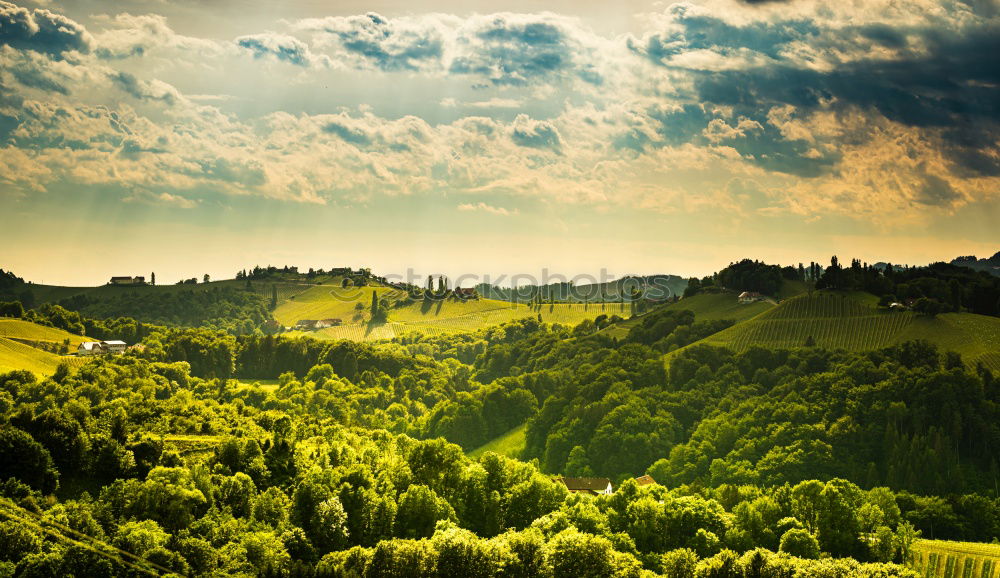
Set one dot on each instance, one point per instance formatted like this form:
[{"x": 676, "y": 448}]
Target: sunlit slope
[
  {"x": 510, "y": 444},
  {"x": 851, "y": 321},
  {"x": 15, "y": 355},
  {"x": 25, "y": 330},
  {"x": 706, "y": 307},
  {"x": 353, "y": 307}
]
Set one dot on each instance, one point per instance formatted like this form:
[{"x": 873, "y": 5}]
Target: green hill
[{"x": 852, "y": 321}]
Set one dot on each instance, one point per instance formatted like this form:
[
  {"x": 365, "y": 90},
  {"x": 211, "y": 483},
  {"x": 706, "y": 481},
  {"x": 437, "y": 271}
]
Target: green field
[
  {"x": 945, "y": 559},
  {"x": 509, "y": 444},
  {"x": 851, "y": 321}
]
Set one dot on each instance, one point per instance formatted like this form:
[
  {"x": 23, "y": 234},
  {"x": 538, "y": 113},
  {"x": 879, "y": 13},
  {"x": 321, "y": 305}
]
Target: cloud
[
  {"x": 146, "y": 35},
  {"x": 929, "y": 68},
  {"x": 154, "y": 90},
  {"x": 503, "y": 49},
  {"x": 527, "y": 132},
  {"x": 41, "y": 30},
  {"x": 483, "y": 207},
  {"x": 833, "y": 111},
  {"x": 281, "y": 47},
  {"x": 352, "y": 134},
  {"x": 492, "y": 103},
  {"x": 165, "y": 199},
  {"x": 384, "y": 44}
]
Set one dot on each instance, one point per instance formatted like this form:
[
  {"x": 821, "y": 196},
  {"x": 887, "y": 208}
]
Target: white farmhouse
[
  {"x": 89, "y": 348},
  {"x": 99, "y": 347}
]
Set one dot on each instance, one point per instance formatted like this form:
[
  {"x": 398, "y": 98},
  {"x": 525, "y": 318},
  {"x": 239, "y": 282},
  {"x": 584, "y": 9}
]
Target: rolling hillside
[
  {"x": 21, "y": 330},
  {"x": 16, "y": 355},
  {"x": 706, "y": 307},
  {"x": 18, "y": 339},
  {"x": 353, "y": 307},
  {"x": 851, "y": 321}
]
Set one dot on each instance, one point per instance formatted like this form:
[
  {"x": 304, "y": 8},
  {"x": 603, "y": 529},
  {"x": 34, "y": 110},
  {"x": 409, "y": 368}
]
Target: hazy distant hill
[
  {"x": 990, "y": 265},
  {"x": 656, "y": 287}
]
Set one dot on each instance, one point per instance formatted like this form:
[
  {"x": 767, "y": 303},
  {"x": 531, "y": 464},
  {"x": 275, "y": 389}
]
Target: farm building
[
  {"x": 750, "y": 297},
  {"x": 306, "y": 324},
  {"x": 646, "y": 480},
  {"x": 126, "y": 280},
  {"x": 89, "y": 348},
  {"x": 99, "y": 347},
  {"x": 591, "y": 486},
  {"x": 324, "y": 323}
]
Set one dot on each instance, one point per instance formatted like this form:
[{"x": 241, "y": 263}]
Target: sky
[{"x": 492, "y": 139}]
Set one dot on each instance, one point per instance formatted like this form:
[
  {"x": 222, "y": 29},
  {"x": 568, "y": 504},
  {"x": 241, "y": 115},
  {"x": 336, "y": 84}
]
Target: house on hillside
[
  {"x": 89, "y": 348},
  {"x": 114, "y": 346},
  {"x": 306, "y": 324},
  {"x": 324, "y": 323},
  {"x": 591, "y": 486},
  {"x": 101, "y": 347},
  {"x": 750, "y": 297},
  {"x": 126, "y": 280},
  {"x": 646, "y": 480}
]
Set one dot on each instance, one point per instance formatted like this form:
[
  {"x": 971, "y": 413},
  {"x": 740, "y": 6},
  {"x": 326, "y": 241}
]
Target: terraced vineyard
[
  {"x": 21, "y": 330},
  {"x": 16, "y": 355},
  {"x": 945, "y": 559},
  {"x": 851, "y": 321},
  {"x": 833, "y": 321}
]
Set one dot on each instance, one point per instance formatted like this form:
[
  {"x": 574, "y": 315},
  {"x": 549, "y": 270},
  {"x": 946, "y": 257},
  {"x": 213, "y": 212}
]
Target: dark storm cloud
[
  {"x": 41, "y": 31},
  {"x": 936, "y": 191},
  {"x": 951, "y": 84}
]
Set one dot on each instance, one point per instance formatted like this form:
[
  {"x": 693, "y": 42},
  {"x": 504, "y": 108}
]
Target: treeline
[
  {"x": 943, "y": 287},
  {"x": 123, "y": 328},
  {"x": 750, "y": 275},
  {"x": 14, "y": 289},
  {"x": 225, "y": 308},
  {"x": 284, "y": 493}
]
